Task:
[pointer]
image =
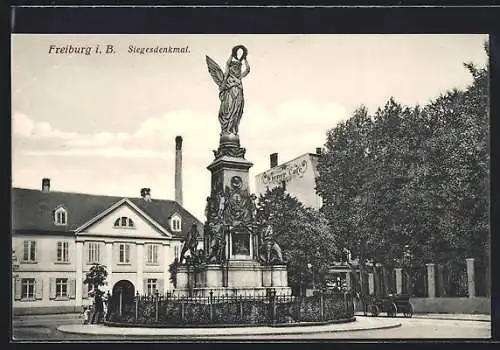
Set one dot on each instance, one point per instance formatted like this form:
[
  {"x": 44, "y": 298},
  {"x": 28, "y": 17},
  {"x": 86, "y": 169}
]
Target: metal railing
[{"x": 169, "y": 309}]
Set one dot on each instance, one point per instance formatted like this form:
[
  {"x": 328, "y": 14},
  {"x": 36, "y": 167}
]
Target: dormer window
[
  {"x": 124, "y": 222},
  {"x": 60, "y": 216},
  {"x": 176, "y": 223}
]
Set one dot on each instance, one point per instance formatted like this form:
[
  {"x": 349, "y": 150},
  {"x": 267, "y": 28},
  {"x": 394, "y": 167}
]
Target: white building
[
  {"x": 298, "y": 176},
  {"x": 57, "y": 236}
]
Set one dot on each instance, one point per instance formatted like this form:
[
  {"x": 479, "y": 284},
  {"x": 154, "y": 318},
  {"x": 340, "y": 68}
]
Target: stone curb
[
  {"x": 277, "y": 325},
  {"x": 221, "y": 332},
  {"x": 451, "y": 318},
  {"x": 445, "y": 317}
]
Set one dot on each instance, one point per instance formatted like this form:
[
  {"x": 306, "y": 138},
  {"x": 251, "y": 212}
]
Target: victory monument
[{"x": 240, "y": 254}]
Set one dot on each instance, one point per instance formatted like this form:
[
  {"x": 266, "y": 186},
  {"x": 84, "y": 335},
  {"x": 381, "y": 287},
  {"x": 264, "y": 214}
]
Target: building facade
[
  {"x": 297, "y": 176},
  {"x": 57, "y": 236}
]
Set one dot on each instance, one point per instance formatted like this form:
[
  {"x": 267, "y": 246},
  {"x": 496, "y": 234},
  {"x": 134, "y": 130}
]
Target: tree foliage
[
  {"x": 302, "y": 233},
  {"x": 172, "y": 269},
  {"x": 415, "y": 176}
]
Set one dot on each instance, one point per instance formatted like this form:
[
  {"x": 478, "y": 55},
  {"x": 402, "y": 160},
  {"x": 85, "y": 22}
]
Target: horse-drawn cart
[{"x": 391, "y": 304}]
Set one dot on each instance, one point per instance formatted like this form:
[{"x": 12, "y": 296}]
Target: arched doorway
[{"x": 125, "y": 288}]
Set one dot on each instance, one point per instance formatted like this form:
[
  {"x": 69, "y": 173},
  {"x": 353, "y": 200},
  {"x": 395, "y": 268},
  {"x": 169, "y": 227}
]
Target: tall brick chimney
[
  {"x": 178, "y": 169},
  {"x": 273, "y": 159},
  {"x": 46, "y": 185}
]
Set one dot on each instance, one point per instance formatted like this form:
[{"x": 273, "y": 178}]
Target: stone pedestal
[
  {"x": 284, "y": 276},
  {"x": 230, "y": 183},
  {"x": 213, "y": 276},
  {"x": 244, "y": 278},
  {"x": 471, "y": 284},
  {"x": 277, "y": 276},
  {"x": 399, "y": 280},
  {"x": 267, "y": 276},
  {"x": 238, "y": 292},
  {"x": 244, "y": 274},
  {"x": 200, "y": 281},
  {"x": 431, "y": 280},
  {"x": 182, "y": 277},
  {"x": 230, "y": 213},
  {"x": 225, "y": 168}
]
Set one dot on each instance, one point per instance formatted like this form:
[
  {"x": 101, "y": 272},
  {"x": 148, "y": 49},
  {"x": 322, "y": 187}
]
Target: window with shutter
[
  {"x": 85, "y": 290},
  {"x": 18, "y": 289},
  {"x": 39, "y": 289},
  {"x": 72, "y": 288},
  {"x": 52, "y": 288}
]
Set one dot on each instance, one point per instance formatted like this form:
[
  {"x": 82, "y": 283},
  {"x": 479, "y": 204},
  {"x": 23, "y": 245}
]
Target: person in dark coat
[
  {"x": 107, "y": 302},
  {"x": 98, "y": 308}
]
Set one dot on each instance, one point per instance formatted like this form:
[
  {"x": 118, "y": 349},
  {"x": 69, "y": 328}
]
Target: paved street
[
  {"x": 45, "y": 328},
  {"x": 410, "y": 328}
]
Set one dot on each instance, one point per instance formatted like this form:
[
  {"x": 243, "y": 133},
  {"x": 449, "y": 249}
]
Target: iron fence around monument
[{"x": 166, "y": 310}]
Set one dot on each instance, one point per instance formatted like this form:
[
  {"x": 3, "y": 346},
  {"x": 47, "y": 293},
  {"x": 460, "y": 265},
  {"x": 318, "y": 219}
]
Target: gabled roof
[
  {"x": 124, "y": 201},
  {"x": 32, "y": 210}
]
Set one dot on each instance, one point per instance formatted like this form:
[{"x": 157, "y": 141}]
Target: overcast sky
[{"x": 106, "y": 124}]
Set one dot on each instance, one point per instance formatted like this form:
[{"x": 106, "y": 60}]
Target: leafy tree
[
  {"x": 302, "y": 233},
  {"x": 172, "y": 269},
  {"x": 342, "y": 170},
  {"x": 95, "y": 278},
  {"x": 415, "y": 176}
]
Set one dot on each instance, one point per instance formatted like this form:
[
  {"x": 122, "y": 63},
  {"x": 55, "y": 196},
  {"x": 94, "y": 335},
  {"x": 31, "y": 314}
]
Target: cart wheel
[
  {"x": 408, "y": 313},
  {"x": 374, "y": 311},
  {"x": 392, "y": 310}
]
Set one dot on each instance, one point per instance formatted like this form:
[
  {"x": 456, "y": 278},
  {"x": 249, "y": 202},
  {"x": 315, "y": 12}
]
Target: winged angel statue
[{"x": 230, "y": 88}]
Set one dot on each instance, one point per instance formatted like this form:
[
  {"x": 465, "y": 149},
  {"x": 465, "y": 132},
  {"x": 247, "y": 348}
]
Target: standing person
[
  {"x": 107, "y": 306},
  {"x": 98, "y": 308}
]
